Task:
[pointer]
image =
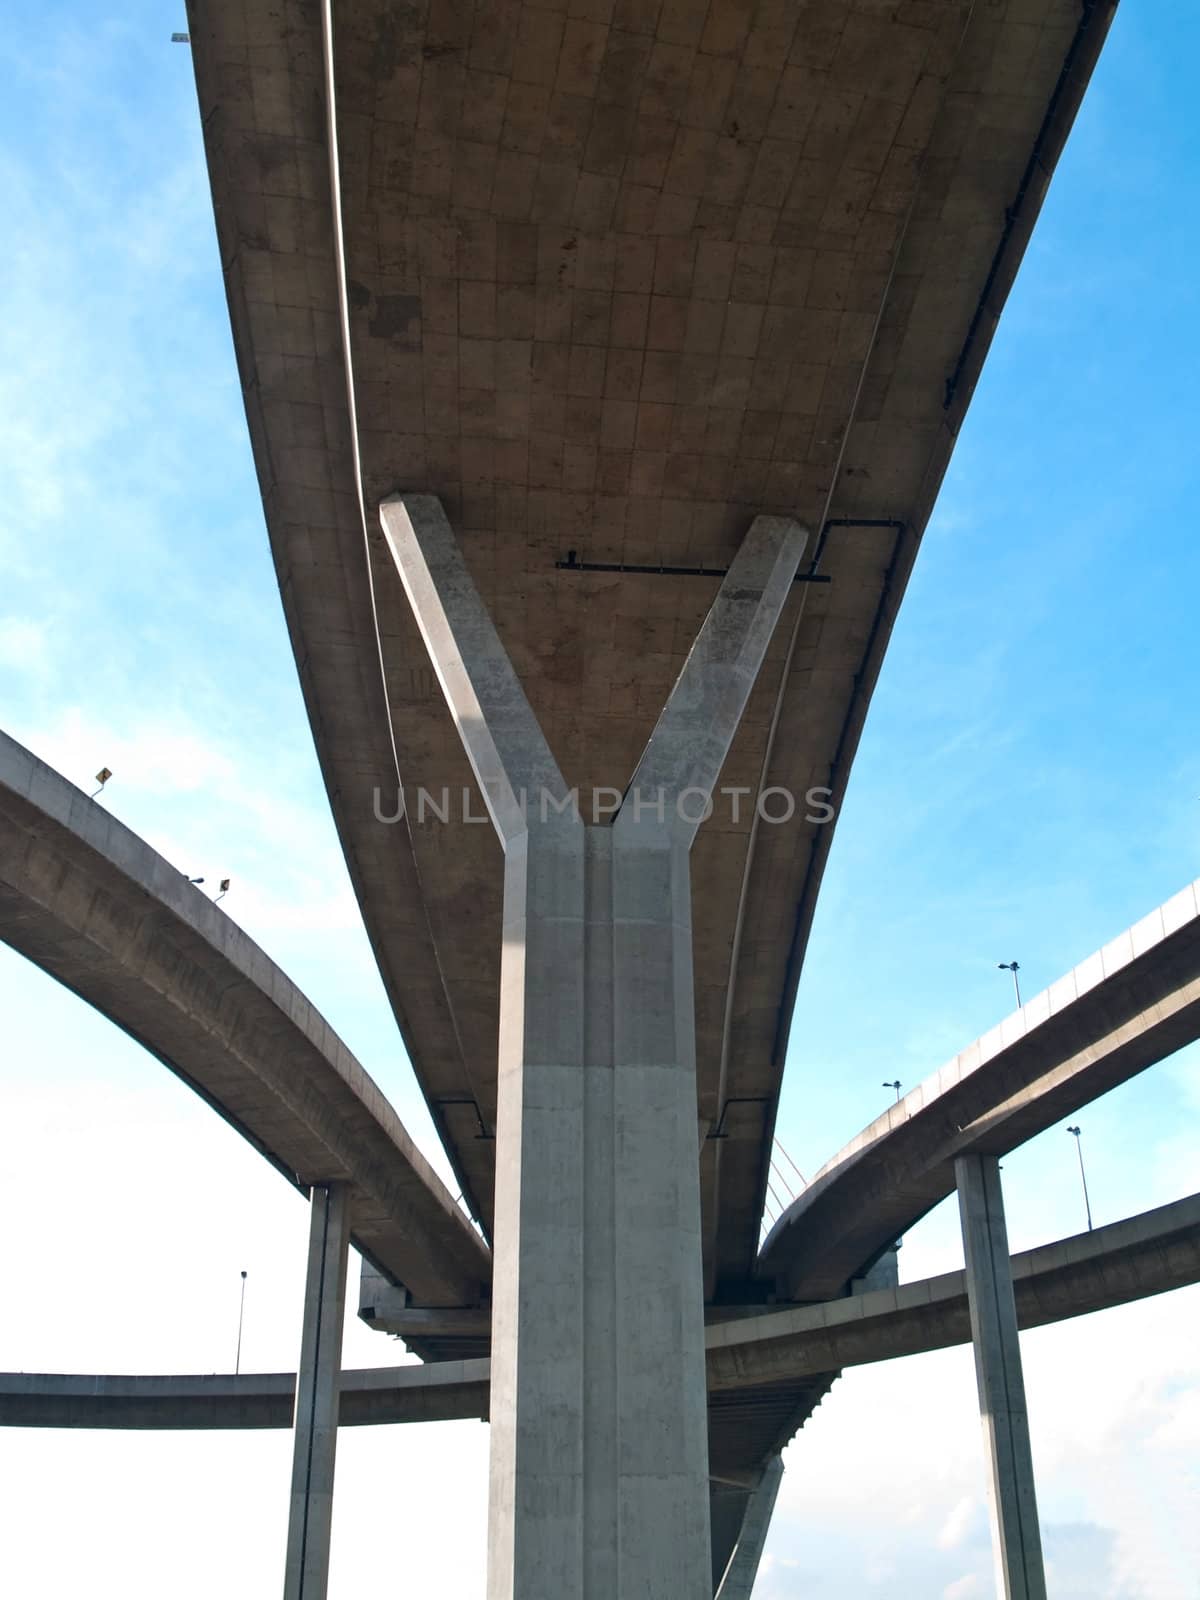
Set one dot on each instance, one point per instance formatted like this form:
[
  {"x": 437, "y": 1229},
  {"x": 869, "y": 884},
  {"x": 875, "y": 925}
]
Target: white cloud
[
  {"x": 148, "y": 756},
  {"x": 213, "y": 809},
  {"x": 891, "y": 1467},
  {"x": 132, "y": 1264},
  {"x": 960, "y": 1522},
  {"x": 22, "y": 644},
  {"x": 1179, "y": 1429}
]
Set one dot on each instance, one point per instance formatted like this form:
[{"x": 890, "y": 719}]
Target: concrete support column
[
  {"x": 599, "y": 1457},
  {"x": 738, "y": 1582},
  {"x": 318, "y": 1381},
  {"x": 1012, "y": 1495}
]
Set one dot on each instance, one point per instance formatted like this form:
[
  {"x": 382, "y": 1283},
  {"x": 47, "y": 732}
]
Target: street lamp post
[
  {"x": 1087, "y": 1204},
  {"x": 1014, "y": 967},
  {"x": 894, "y": 1084},
  {"x": 237, "y": 1365}
]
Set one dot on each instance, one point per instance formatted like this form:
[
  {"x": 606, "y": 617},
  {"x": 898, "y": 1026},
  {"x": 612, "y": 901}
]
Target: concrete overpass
[
  {"x": 1129, "y": 1260},
  {"x": 1127, "y": 1006},
  {"x": 601, "y": 371},
  {"x": 538, "y": 320},
  {"x": 609, "y": 291}
]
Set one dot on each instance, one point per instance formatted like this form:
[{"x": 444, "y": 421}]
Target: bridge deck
[
  {"x": 771, "y": 1364},
  {"x": 1129, "y": 1005},
  {"x": 615, "y": 282}
]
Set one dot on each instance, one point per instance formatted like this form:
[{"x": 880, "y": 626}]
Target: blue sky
[{"x": 1028, "y": 785}]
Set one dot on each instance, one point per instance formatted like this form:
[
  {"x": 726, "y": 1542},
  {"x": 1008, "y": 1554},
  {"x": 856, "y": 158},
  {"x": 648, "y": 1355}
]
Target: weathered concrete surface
[
  {"x": 1012, "y": 1487},
  {"x": 614, "y": 284},
  {"x": 97, "y": 908},
  {"x": 1149, "y": 1254},
  {"x": 318, "y": 1392},
  {"x": 599, "y": 1477},
  {"x": 1127, "y": 1006}
]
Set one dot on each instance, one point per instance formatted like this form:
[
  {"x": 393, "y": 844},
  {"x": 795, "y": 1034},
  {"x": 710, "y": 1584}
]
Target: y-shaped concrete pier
[{"x": 599, "y": 1465}]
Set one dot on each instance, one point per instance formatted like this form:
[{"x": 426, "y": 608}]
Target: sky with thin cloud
[{"x": 1028, "y": 785}]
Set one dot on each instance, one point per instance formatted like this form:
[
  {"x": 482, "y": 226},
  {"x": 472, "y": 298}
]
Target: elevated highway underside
[
  {"x": 610, "y": 282},
  {"x": 611, "y": 285}
]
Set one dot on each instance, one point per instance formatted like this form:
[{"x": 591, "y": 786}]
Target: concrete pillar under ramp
[
  {"x": 599, "y": 1471},
  {"x": 318, "y": 1384},
  {"x": 738, "y": 1580},
  {"x": 1012, "y": 1496}
]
